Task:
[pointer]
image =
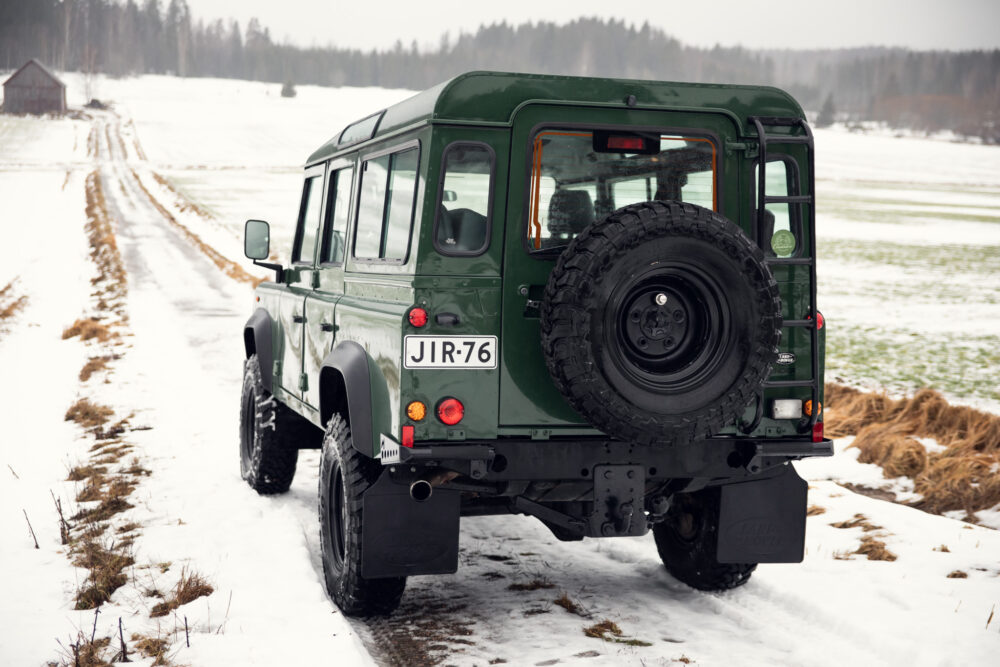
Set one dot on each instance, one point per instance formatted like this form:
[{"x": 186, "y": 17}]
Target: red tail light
[
  {"x": 418, "y": 317},
  {"x": 450, "y": 411},
  {"x": 818, "y": 432},
  {"x": 407, "y": 436}
]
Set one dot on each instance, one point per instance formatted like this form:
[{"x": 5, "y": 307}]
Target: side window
[
  {"x": 778, "y": 231},
  {"x": 338, "y": 208},
  {"x": 399, "y": 213},
  {"x": 385, "y": 207},
  {"x": 308, "y": 225},
  {"x": 371, "y": 206},
  {"x": 463, "y": 213}
]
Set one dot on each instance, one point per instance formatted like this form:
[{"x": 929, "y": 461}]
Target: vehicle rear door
[{"x": 528, "y": 397}]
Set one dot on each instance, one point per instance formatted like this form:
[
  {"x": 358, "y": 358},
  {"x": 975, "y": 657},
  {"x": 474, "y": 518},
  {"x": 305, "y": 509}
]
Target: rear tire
[
  {"x": 687, "y": 541},
  {"x": 345, "y": 474},
  {"x": 268, "y": 452}
]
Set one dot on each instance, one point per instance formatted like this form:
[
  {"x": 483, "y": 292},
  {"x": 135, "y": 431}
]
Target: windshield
[{"x": 580, "y": 176}]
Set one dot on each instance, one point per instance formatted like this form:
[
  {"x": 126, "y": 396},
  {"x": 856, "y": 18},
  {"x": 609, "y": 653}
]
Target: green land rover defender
[{"x": 591, "y": 301}]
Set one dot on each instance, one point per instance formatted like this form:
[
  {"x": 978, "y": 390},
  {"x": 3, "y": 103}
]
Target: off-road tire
[
  {"x": 717, "y": 333},
  {"x": 344, "y": 476},
  {"x": 268, "y": 453},
  {"x": 687, "y": 541}
]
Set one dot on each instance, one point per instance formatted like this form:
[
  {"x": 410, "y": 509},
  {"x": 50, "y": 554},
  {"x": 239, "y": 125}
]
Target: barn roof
[{"x": 45, "y": 70}]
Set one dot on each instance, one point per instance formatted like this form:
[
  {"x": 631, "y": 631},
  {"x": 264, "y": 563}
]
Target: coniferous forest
[{"x": 920, "y": 90}]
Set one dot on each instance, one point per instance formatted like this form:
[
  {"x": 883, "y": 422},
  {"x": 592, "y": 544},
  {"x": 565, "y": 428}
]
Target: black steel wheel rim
[
  {"x": 338, "y": 515},
  {"x": 247, "y": 429},
  {"x": 668, "y": 327}
]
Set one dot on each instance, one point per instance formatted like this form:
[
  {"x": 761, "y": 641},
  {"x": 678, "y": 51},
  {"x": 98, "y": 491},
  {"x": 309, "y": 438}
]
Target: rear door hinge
[
  {"x": 303, "y": 382},
  {"x": 748, "y": 147}
]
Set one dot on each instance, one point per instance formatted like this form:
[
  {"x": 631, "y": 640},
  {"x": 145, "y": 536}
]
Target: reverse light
[
  {"x": 787, "y": 408},
  {"x": 416, "y": 411},
  {"x": 407, "y": 439},
  {"x": 450, "y": 411},
  {"x": 418, "y": 317},
  {"x": 818, "y": 432},
  {"x": 808, "y": 408}
]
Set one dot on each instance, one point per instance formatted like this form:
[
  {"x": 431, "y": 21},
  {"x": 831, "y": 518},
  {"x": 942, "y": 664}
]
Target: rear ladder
[{"x": 807, "y": 200}]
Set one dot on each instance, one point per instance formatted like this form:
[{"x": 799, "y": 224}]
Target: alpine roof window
[{"x": 309, "y": 218}]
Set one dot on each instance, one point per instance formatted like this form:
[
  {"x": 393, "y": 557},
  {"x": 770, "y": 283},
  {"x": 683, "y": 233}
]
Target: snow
[{"x": 180, "y": 375}]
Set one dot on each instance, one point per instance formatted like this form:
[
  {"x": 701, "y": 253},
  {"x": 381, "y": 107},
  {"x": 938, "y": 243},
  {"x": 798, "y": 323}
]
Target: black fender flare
[
  {"x": 257, "y": 340},
  {"x": 347, "y": 387}
]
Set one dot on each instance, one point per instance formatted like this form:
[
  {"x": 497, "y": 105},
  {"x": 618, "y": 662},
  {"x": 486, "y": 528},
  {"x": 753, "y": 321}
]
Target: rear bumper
[{"x": 507, "y": 460}]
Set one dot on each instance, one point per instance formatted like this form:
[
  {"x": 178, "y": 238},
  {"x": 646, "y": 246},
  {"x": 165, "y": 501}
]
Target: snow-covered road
[{"x": 179, "y": 375}]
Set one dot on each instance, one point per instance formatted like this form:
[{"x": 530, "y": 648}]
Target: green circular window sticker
[{"x": 783, "y": 242}]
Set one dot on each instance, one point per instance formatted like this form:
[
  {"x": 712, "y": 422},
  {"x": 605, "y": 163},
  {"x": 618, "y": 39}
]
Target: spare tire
[{"x": 660, "y": 322}]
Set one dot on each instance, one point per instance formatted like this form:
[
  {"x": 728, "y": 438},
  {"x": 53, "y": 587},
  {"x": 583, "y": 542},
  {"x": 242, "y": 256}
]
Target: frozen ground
[{"x": 261, "y": 554}]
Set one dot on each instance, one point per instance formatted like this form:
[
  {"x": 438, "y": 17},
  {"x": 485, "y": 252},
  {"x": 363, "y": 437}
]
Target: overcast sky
[{"x": 796, "y": 24}]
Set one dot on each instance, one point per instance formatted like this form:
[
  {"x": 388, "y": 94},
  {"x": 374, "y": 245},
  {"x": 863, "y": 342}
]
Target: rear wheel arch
[{"x": 347, "y": 387}]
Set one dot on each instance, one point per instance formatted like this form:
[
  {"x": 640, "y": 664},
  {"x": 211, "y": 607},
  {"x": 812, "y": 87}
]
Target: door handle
[
  {"x": 328, "y": 326},
  {"x": 298, "y": 319}
]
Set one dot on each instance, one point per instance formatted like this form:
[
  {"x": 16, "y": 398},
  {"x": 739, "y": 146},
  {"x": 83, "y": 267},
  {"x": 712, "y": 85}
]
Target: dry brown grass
[
  {"x": 966, "y": 476},
  {"x": 95, "y": 365},
  {"x": 815, "y": 510},
  {"x": 183, "y": 202},
  {"x": 958, "y": 574},
  {"x": 87, "y": 414},
  {"x": 111, "y": 279},
  {"x": 152, "y": 647},
  {"x": 610, "y": 632},
  {"x": 533, "y": 585},
  {"x": 566, "y": 603},
  {"x": 80, "y": 473},
  {"x": 874, "y": 549},
  {"x": 858, "y": 521},
  {"x": 86, "y": 652},
  {"x": 190, "y": 587},
  {"x": 8, "y": 305},
  {"x": 87, "y": 329},
  {"x": 106, "y": 565}
]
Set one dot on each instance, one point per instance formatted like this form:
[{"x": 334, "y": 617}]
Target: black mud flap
[
  {"x": 402, "y": 537},
  {"x": 763, "y": 521}
]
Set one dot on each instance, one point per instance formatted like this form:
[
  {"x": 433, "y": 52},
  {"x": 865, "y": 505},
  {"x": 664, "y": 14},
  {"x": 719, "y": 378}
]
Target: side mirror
[
  {"x": 257, "y": 246},
  {"x": 256, "y": 239}
]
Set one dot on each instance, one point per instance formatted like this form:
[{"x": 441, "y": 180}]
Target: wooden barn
[{"x": 34, "y": 89}]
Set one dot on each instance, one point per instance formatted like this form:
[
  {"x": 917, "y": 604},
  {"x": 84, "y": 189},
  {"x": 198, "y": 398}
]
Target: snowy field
[{"x": 910, "y": 281}]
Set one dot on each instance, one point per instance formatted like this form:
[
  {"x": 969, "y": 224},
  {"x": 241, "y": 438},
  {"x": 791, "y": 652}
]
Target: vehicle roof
[{"x": 494, "y": 97}]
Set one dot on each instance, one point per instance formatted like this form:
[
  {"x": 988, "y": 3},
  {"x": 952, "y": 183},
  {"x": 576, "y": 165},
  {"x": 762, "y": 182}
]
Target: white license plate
[{"x": 450, "y": 352}]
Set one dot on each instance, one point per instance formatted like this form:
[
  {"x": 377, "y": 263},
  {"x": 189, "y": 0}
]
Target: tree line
[{"x": 923, "y": 90}]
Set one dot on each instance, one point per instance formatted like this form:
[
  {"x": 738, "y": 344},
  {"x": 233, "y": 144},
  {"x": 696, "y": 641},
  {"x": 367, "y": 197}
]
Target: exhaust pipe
[{"x": 421, "y": 490}]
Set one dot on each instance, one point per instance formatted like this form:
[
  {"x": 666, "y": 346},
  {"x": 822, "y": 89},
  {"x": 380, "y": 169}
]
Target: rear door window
[{"x": 579, "y": 176}]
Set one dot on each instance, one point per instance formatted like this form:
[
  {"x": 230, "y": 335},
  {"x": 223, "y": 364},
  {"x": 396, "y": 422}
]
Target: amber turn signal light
[
  {"x": 450, "y": 411},
  {"x": 808, "y": 408},
  {"x": 416, "y": 411}
]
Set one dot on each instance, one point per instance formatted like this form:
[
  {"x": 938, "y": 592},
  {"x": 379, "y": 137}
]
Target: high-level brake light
[{"x": 627, "y": 143}]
